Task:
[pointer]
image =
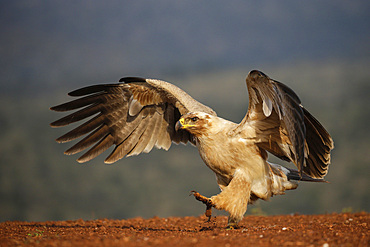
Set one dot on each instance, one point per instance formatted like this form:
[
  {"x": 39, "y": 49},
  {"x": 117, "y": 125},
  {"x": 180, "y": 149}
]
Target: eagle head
[{"x": 196, "y": 123}]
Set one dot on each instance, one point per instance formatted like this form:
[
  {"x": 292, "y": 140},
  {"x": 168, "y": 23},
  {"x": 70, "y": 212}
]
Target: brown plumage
[{"x": 138, "y": 114}]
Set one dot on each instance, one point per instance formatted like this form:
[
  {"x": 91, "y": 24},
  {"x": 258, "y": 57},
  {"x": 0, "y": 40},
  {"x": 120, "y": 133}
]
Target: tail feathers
[
  {"x": 296, "y": 175},
  {"x": 293, "y": 174}
]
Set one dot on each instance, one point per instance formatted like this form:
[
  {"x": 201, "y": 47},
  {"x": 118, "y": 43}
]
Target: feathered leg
[{"x": 233, "y": 199}]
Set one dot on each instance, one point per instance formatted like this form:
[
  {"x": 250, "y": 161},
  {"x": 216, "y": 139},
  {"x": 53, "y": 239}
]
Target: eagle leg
[{"x": 206, "y": 201}]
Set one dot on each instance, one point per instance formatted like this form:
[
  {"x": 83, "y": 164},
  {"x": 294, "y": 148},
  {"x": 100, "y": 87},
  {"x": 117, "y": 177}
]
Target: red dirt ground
[{"x": 288, "y": 230}]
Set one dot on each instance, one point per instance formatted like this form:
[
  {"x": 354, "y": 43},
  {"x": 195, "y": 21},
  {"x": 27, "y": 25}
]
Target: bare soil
[{"x": 287, "y": 230}]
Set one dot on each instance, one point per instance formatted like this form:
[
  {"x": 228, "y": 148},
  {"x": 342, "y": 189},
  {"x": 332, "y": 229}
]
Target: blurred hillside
[
  {"x": 38, "y": 182},
  {"x": 320, "y": 49}
]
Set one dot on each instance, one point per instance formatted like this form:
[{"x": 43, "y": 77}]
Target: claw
[
  {"x": 201, "y": 198},
  {"x": 206, "y": 201},
  {"x": 232, "y": 226},
  {"x": 209, "y": 213},
  {"x": 192, "y": 193}
]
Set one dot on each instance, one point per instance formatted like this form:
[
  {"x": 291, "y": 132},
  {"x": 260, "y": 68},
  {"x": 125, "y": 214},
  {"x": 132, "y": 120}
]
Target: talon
[
  {"x": 196, "y": 195},
  {"x": 232, "y": 227},
  {"x": 209, "y": 213},
  {"x": 206, "y": 201},
  {"x": 192, "y": 193},
  {"x": 201, "y": 198}
]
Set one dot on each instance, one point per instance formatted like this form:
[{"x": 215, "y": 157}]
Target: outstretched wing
[
  {"x": 134, "y": 115},
  {"x": 284, "y": 128}
]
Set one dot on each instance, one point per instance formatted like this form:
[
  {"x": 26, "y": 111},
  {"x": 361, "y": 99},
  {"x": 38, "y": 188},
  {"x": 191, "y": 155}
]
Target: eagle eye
[{"x": 194, "y": 119}]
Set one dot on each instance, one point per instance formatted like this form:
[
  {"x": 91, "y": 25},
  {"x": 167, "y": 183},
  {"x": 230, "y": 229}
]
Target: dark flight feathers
[
  {"x": 287, "y": 129},
  {"x": 134, "y": 116},
  {"x": 137, "y": 114}
]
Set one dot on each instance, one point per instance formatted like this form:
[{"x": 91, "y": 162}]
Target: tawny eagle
[{"x": 138, "y": 114}]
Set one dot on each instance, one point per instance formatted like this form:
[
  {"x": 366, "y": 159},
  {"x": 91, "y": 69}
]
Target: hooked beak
[{"x": 179, "y": 124}]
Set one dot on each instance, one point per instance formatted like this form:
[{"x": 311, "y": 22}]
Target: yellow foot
[
  {"x": 206, "y": 201},
  {"x": 232, "y": 227}
]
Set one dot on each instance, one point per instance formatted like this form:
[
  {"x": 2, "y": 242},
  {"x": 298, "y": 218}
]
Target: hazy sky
[{"x": 52, "y": 42}]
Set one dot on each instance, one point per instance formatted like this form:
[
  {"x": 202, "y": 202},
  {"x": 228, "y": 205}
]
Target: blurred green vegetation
[{"x": 38, "y": 182}]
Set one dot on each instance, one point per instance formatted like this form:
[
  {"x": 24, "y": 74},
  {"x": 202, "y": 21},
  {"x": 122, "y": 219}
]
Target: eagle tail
[{"x": 293, "y": 174}]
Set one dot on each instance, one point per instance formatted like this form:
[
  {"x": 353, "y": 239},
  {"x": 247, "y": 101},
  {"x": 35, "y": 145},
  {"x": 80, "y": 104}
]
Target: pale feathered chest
[{"x": 224, "y": 154}]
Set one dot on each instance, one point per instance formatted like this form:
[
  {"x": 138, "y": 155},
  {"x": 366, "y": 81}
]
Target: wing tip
[
  {"x": 58, "y": 108},
  {"x": 257, "y": 72},
  {"x": 132, "y": 79},
  {"x": 254, "y": 74},
  {"x": 61, "y": 140},
  {"x": 81, "y": 161},
  {"x": 109, "y": 162},
  {"x": 58, "y": 123},
  {"x": 53, "y": 125},
  {"x": 112, "y": 158}
]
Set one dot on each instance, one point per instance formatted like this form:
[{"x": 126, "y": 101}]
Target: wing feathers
[
  {"x": 319, "y": 145},
  {"x": 78, "y": 103},
  {"x": 164, "y": 138},
  {"x": 267, "y": 107},
  {"x": 128, "y": 144},
  {"x": 135, "y": 107},
  {"x": 284, "y": 128},
  {"x": 135, "y": 116},
  {"x": 77, "y": 116},
  {"x": 155, "y": 131},
  {"x": 143, "y": 140},
  {"x": 99, "y": 148},
  {"x": 82, "y": 129},
  {"x": 139, "y": 113},
  {"x": 285, "y": 103},
  {"x": 88, "y": 140},
  {"x": 92, "y": 89}
]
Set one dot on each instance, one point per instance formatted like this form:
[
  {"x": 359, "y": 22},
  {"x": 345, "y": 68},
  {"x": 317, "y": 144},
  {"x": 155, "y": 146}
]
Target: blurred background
[{"x": 321, "y": 49}]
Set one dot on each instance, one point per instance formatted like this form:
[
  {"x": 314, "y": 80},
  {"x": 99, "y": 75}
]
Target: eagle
[{"x": 137, "y": 114}]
